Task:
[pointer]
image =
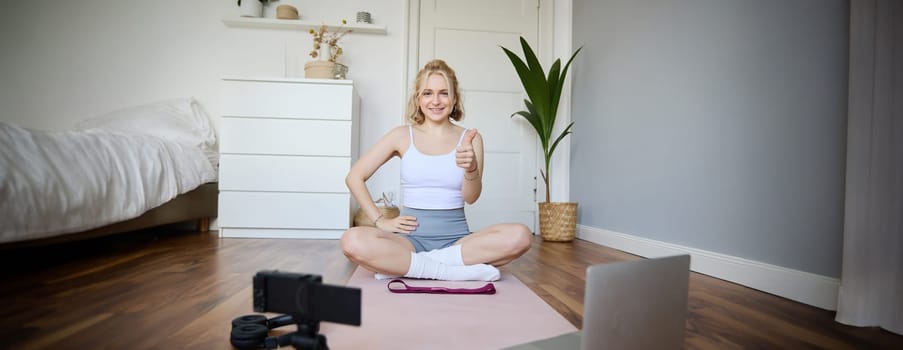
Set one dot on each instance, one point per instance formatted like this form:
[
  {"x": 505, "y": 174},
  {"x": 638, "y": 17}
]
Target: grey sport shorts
[{"x": 437, "y": 228}]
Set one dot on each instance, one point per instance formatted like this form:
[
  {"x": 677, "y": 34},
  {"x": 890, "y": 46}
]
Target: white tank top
[{"x": 431, "y": 182}]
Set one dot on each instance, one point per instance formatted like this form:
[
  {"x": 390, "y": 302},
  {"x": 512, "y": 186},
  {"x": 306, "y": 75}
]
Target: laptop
[{"x": 638, "y": 304}]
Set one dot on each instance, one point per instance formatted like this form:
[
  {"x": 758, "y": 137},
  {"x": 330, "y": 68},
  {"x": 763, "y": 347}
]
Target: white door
[{"x": 467, "y": 34}]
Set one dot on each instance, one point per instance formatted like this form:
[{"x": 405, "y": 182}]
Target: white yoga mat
[{"x": 514, "y": 315}]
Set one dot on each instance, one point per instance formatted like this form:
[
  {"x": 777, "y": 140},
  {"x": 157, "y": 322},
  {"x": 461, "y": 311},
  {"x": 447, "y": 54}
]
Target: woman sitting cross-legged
[{"x": 441, "y": 169}]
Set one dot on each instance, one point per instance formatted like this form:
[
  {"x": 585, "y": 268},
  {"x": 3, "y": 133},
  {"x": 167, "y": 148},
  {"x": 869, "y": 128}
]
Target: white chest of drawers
[{"x": 285, "y": 148}]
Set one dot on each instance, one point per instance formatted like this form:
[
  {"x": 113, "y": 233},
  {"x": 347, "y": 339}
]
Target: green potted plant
[{"x": 557, "y": 220}]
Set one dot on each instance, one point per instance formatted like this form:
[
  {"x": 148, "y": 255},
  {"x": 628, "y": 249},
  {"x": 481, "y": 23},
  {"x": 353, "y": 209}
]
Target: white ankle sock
[
  {"x": 382, "y": 276},
  {"x": 450, "y": 256},
  {"x": 425, "y": 267}
]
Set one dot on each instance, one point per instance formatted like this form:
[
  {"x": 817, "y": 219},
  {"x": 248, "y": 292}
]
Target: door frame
[{"x": 554, "y": 40}]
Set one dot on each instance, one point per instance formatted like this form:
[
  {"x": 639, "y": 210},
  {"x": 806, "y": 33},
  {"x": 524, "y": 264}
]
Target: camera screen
[{"x": 305, "y": 295}]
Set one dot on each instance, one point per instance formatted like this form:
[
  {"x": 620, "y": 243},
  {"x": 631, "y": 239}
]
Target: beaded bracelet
[{"x": 377, "y": 219}]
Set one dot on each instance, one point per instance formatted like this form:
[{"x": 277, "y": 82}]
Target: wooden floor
[{"x": 165, "y": 290}]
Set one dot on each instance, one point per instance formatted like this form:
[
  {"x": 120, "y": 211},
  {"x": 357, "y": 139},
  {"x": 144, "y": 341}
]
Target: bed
[{"x": 130, "y": 169}]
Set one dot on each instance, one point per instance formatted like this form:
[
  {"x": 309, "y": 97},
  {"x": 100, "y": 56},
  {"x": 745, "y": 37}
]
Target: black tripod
[
  {"x": 308, "y": 336},
  {"x": 252, "y": 332}
]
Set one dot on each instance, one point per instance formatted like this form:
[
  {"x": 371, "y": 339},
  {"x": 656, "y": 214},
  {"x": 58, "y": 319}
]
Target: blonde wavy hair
[{"x": 439, "y": 67}]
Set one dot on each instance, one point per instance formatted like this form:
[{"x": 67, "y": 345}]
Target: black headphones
[{"x": 252, "y": 332}]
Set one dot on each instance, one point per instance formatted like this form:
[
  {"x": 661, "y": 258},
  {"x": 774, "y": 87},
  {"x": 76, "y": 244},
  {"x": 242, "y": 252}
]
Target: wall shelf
[{"x": 294, "y": 24}]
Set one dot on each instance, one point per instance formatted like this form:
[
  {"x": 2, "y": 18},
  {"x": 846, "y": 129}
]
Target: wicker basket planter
[
  {"x": 361, "y": 219},
  {"x": 318, "y": 69},
  {"x": 558, "y": 221}
]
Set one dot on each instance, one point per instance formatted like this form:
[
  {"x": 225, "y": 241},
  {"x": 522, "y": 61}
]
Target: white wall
[
  {"x": 64, "y": 61},
  {"x": 717, "y": 125}
]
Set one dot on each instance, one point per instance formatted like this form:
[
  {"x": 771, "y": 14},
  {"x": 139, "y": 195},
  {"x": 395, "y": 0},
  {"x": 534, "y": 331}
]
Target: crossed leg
[
  {"x": 390, "y": 253},
  {"x": 496, "y": 245},
  {"x": 377, "y": 250}
]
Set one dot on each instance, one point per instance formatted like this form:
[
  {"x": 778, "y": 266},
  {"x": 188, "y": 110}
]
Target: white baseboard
[{"x": 808, "y": 288}]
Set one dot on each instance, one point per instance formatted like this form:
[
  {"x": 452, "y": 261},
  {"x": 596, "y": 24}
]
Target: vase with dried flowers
[{"x": 328, "y": 41}]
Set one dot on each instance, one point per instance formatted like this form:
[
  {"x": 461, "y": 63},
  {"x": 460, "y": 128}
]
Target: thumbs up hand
[{"x": 465, "y": 157}]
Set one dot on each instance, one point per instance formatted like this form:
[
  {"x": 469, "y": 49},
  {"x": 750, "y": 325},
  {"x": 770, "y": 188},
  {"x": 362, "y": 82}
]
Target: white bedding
[{"x": 53, "y": 183}]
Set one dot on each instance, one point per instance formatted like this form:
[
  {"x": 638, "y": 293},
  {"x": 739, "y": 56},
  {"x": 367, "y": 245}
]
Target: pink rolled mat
[{"x": 512, "y": 316}]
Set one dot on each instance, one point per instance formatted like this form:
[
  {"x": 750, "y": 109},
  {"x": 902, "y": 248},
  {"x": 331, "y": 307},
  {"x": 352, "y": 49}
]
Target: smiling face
[
  {"x": 435, "y": 100},
  {"x": 436, "y": 81}
]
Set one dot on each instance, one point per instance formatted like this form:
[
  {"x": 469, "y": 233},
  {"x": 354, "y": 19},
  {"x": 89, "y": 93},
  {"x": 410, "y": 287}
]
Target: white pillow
[{"x": 181, "y": 120}]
